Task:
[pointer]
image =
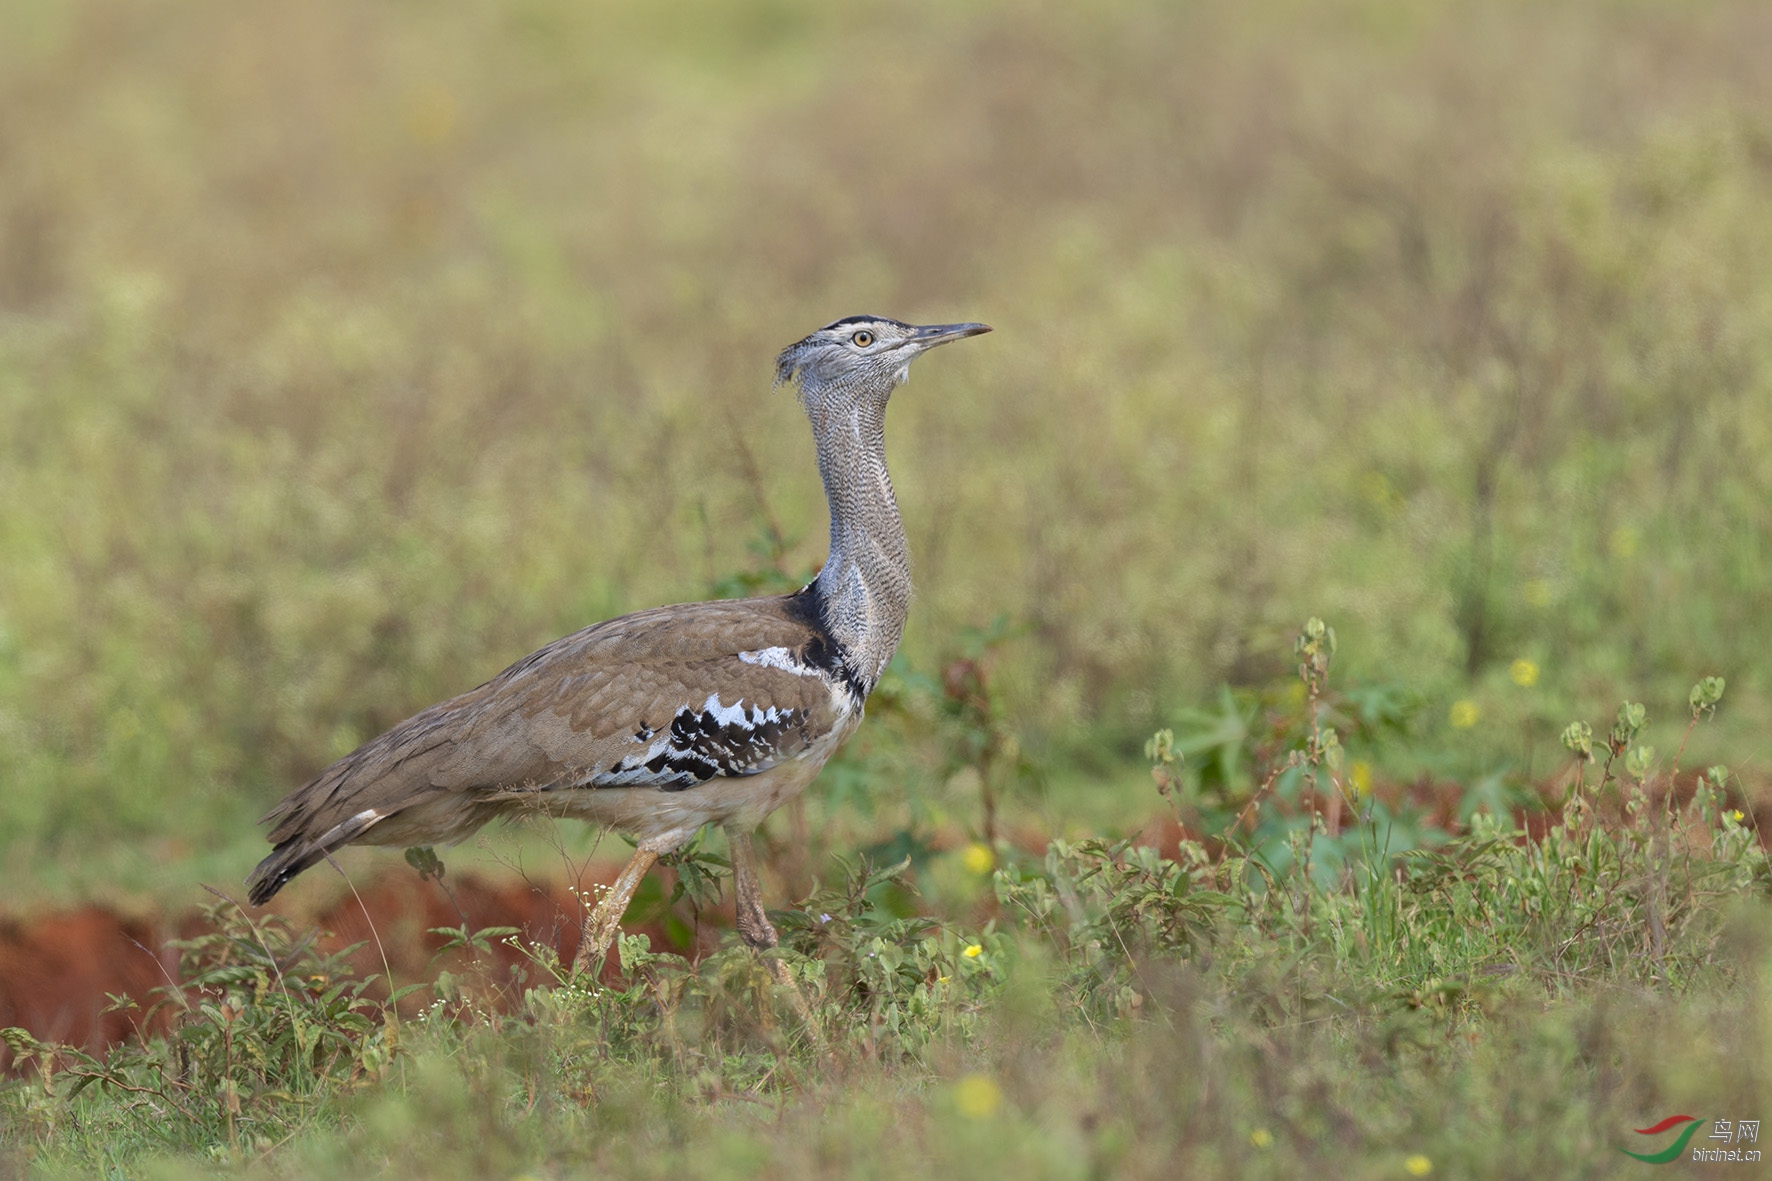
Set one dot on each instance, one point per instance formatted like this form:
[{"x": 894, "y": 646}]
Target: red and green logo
[{"x": 1676, "y": 1148}]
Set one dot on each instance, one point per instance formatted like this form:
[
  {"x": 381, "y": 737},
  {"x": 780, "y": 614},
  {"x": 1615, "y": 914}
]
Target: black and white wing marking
[{"x": 702, "y": 742}]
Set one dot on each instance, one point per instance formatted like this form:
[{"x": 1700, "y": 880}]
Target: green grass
[
  {"x": 1498, "y": 1006},
  {"x": 1293, "y": 993}
]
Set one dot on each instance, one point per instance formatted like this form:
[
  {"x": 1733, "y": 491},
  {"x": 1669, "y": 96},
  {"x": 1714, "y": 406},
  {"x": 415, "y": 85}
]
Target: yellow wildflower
[
  {"x": 1359, "y": 774},
  {"x": 978, "y": 859},
  {"x": 1523, "y": 672},
  {"x": 1418, "y": 1165},
  {"x": 977, "y": 1096},
  {"x": 1261, "y": 1138},
  {"x": 1463, "y": 714},
  {"x": 973, "y": 952}
]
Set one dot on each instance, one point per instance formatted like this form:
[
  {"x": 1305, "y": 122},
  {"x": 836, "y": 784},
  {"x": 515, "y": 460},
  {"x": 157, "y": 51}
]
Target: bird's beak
[{"x": 930, "y": 335}]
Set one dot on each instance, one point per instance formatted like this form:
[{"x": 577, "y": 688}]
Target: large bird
[{"x": 663, "y": 721}]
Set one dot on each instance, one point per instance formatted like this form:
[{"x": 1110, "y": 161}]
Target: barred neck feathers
[
  {"x": 864, "y": 589},
  {"x": 846, "y": 372}
]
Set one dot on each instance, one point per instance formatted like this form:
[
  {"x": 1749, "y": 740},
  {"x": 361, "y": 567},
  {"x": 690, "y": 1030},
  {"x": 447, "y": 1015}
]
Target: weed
[
  {"x": 1415, "y": 953},
  {"x": 257, "y": 1034}
]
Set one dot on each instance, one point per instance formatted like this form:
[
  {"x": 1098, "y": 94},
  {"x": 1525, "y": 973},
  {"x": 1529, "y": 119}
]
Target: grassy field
[
  {"x": 348, "y": 353},
  {"x": 1326, "y": 1001}
]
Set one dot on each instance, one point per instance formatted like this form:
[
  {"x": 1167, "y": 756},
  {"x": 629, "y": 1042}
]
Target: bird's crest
[{"x": 792, "y": 360}]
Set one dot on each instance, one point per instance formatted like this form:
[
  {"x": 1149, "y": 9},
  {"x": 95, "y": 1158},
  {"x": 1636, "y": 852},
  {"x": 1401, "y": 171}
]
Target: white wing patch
[
  {"x": 781, "y": 658},
  {"x": 716, "y": 739},
  {"x": 344, "y": 830}
]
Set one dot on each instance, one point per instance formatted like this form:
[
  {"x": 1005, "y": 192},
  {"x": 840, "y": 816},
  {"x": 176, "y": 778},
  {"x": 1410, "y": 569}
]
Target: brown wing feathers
[{"x": 667, "y": 698}]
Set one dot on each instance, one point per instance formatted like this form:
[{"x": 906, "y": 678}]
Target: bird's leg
[
  {"x": 755, "y": 928},
  {"x": 601, "y": 924},
  {"x": 753, "y": 925}
]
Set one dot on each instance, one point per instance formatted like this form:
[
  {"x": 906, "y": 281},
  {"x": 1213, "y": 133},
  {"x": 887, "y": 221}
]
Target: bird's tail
[
  {"x": 285, "y": 861},
  {"x": 395, "y": 775},
  {"x": 298, "y": 852}
]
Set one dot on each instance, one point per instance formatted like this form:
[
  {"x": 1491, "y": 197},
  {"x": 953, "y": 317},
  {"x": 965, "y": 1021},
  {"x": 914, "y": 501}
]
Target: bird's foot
[
  {"x": 760, "y": 935},
  {"x": 796, "y": 996}
]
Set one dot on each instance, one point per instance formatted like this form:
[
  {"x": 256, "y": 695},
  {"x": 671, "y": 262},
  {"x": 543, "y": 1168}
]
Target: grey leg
[
  {"x": 748, "y": 892},
  {"x": 602, "y": 923},
  {"x": 754, "y": 927}
]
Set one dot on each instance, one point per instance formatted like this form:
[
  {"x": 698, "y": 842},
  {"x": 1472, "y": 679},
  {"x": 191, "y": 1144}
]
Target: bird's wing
[
  {"x": 667, "y": 698},
  {"x": 664, "y": 698}
]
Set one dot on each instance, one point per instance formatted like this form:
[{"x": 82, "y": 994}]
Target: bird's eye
[{"x": 862, "y": 339}]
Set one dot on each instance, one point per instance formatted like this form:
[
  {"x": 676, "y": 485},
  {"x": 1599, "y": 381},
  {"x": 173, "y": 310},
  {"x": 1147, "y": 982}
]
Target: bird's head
[{"x": 860, "y": 355}]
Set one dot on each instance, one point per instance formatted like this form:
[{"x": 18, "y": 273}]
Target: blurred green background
[{"x": 350, "y": 351}]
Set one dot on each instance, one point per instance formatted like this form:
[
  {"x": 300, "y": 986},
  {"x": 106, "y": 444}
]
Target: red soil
[
  {"x": 56, "y": 969},
  {"x": 59, "y": 970}
]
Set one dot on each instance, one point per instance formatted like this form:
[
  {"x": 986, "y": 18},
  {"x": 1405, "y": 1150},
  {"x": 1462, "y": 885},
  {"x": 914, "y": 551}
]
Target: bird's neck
[{"x": 865, "y": 585}]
